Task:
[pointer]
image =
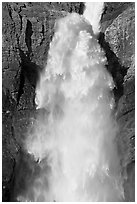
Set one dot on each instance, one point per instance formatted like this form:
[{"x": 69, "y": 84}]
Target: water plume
[
  {"x": 92, "y": 13},
  {"x": 74, "y": 142}
]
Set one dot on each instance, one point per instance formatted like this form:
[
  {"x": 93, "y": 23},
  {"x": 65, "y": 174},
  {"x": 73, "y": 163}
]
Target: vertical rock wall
[{"x": 120, "y": 34}]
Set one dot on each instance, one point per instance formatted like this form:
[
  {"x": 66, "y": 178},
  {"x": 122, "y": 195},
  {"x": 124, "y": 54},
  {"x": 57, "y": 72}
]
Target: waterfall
[{"x": 74, "y": 139}]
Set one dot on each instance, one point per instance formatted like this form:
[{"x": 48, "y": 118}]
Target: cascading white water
[
  {"x": 75, "y": 143},
  {"x": 93, "y": 13}
]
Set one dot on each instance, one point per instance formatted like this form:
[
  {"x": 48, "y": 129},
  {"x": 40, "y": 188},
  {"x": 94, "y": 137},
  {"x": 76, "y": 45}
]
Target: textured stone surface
[
  {"x": 27, "y": 30},
  {"x": 120, "y": 34},
  {"x": 121, "y": 37}
]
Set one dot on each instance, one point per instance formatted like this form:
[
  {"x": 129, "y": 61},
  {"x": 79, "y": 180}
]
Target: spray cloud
[{"x": 75, "y": 141}]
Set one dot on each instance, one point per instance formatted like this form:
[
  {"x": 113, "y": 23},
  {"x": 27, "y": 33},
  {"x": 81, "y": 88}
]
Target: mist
[{"x": 74, "y": 141}]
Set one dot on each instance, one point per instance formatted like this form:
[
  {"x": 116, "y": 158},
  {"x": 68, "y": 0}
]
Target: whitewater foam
[{"x": 76, "y": 140}]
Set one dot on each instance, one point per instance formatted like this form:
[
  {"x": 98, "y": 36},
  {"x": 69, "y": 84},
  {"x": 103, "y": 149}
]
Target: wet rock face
[
  {"x": 120, "y": 34},
  {"x": 26, "y": 33}
]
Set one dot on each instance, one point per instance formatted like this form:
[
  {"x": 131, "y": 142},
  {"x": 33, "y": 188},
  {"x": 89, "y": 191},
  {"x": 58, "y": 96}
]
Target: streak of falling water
[
  {"x": 76, "y": 140},
  {"x": 93, "y": 14}
]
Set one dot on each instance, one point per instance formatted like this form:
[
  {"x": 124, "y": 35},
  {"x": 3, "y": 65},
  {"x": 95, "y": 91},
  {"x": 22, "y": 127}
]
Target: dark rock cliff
[
  {"x": 27, "y": 30},
  {"x": 120, "y": 34}
]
